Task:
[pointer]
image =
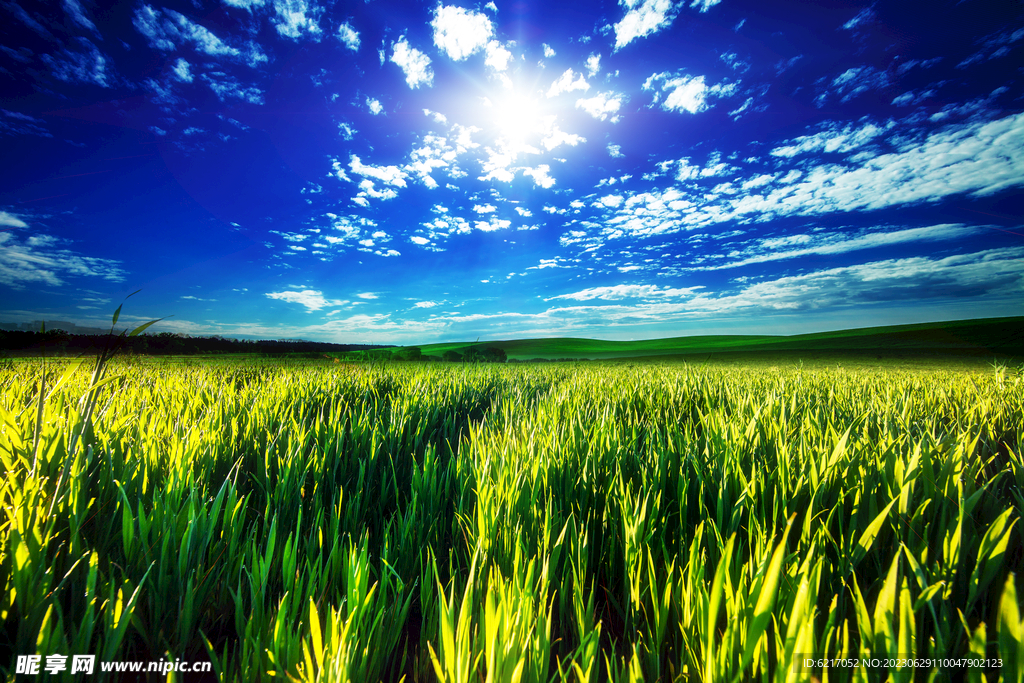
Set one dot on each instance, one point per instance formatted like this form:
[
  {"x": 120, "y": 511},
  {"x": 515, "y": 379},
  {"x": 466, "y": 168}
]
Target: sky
[{"x": 405, "y": 172}]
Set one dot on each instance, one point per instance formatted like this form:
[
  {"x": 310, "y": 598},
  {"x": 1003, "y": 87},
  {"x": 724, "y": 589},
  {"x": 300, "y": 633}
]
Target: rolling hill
[{"x": 987, "y": 336}]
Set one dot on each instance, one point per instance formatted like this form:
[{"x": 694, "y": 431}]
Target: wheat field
[{"x": 564, "y": 522}]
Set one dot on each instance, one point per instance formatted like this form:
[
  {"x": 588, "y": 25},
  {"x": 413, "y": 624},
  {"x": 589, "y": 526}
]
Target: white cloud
[
  {"x": 992, "y": 273},
  {"x": 40, "y": 260},
  {"x": 413, "y": 63},
  {"x": 497, "y": 56},
  {"x": 368, "y": 189},
  {"x": 613, "y": 180},
  {"x": 464, "y": 137},
  {"x": 643, "y": 18},
  {"x": 685, "y": 93},
  {"x": 540, "y": 175},
  {"x": 556, "y": 137},
  {"x": 492, "y": 225},
  {"x": 312, "y": 299},
  {"x": 615, "y": 151},
  {"x": 619, "y": 292},
  {"x": 161, "y": 33},
  {"x": 982, "y": 276},
  {"x": 11, "y": 220},
  {"x": 295, "y": 17},
  {"x": 854, "y": 82},
  {"x": 497, "y": 166},
  {"x": 74, "y": 9},
  {"x": 704, "y": 5},
  {"x": 548, "y": 51},
  {"x": 426, "y": 304},
  {"x": 602, "y": 106},
  {"x": 391, "y": 175},
  {"x": 865, "y": 16},
  {"x": 975, "y": 108},
  {"x": 593, "y": 64},
  {"x": 245, "y": 4},
  {"x": 459, "y": 32},
  {"x": 485, "y": 208},
  {"x": 994, "y": 46},
  {"x": 610, "y": 201},
  {"x": 84, "y": 65},
  {"x": 567, "y": 82},
  {"x": 784, "y": 65},
  {"x": 16, "y": 123},
  {"x": 181, "y": 71},
  {"x": 525, "y": 213},
  {"x": 979, "y": 159},
  {"x": 911, "y": 97},
  {"x": 348, "y": 36},
  {"x": 738, "y": 111},
  {"x": 833, "y": 139},
  {"x": 734, "y": 62},
  {"x": 436, "y": 152},
  {"x": 351, "y": 229},
  {"x": 437, "y": 116},
  {"x": 778, "y": 249},
  {"x": 427, "y": 158},
  {"x": 367, "y": 295},
  {"x": 374, "y": 106},
  {"x": 171, "y": 29},
  {"x": 226, "y": 87},
  {"x": 914, "y": 63}
]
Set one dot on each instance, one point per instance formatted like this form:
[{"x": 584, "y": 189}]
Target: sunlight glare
[{"x": 517, "y": 117}]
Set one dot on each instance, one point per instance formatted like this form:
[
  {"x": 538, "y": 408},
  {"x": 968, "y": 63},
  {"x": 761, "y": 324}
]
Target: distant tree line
[
  {"x": 476, "y": 354},
  {"x": 472, "y": 354},
  {"x": 166, "y": 343}
]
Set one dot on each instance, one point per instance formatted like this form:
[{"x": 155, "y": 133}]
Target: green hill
[{"x": 1000, "y": 336}]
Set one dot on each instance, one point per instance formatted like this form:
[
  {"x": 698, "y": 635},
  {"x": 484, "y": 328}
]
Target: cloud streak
[
  {"x": 42, "y": 260},
  {"x": 311, "y": 299}
]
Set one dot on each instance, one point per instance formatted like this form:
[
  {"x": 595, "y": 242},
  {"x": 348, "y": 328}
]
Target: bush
[
  {"x": 492, "y": 354},
  {"x": 410, "y": 353}
]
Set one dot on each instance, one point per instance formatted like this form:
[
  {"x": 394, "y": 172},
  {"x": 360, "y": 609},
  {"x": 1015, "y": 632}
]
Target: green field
[
  {"x": 983, "y": 337},
  {"x": 564, "y": 522}
]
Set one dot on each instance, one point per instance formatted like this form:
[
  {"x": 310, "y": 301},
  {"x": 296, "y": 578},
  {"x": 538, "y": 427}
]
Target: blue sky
[{"x": 401, "y": 172}]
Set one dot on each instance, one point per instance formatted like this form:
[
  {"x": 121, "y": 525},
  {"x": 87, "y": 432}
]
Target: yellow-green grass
[{"x": 576, "y": 522}]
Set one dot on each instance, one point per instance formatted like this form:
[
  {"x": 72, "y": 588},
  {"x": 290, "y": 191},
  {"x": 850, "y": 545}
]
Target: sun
[{"x": 517, "y": 117}]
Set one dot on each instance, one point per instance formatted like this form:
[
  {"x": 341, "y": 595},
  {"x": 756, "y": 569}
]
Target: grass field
[
  {"x": 570, "y": 522},
  {"x": 983, "y": 337}
]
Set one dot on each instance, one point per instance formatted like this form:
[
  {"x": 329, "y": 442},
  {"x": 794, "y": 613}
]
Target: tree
[
  {"x": 493, "y": 354},
  {"x": 410, "y": 353},
  {"x": 452, "y": 356}
]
